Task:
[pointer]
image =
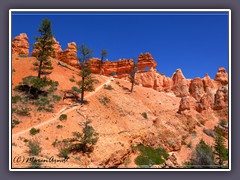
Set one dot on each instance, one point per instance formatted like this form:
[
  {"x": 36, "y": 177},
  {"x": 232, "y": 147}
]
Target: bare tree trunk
[
  {"x": 39, "y": 69},
  {"x": 101, "y": 66},
  {"x": 82, "y": 93}
]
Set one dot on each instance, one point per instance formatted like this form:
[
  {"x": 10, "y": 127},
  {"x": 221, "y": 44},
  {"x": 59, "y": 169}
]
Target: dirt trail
[{"x": 63, "y": 110}]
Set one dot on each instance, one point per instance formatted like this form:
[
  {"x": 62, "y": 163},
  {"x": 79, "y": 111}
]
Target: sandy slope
[{"x": 119, "y": 123}]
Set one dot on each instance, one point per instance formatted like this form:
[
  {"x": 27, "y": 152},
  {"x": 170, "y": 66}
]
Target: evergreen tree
[
  {"x": 103, "y": 55},
  {"x": 44, "y": 48},
  {"x": 202, "y": 157},
  {"x": 83, "y": 141},
  {"x": 86, "y": 84},
  {"x": 219, "y": 147}
]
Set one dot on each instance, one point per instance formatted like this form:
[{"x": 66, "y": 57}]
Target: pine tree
[
  {"x": 87, "y": 82},
  {"x": 103, "y": 55},
  {"x": 219, "y": 147},
  {"x": 44, "y": 48},
  {"x": 83, "y": 141}
]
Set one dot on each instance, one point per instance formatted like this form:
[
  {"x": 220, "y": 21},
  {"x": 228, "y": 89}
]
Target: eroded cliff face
[
  {"x": 56, "y": 48},
  {"x": 69, "y": 56},
  {"x": 20, "y": 45}
]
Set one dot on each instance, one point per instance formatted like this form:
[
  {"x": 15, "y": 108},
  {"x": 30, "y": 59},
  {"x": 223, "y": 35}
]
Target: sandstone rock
[
  {"x": 206, "y": 102},
  {"x": 222, "y": 76},
  {"x": 69, "y": 55},
  {"x": 180, "y": 84},
  {"x": 146, "y": 60},
  {"x": 186, "y": 103},
  {"x": 167, "y": 83},
  {"x": 207, "y": 83},
  {"x": 178, "y": 77},
  {"x": 20, "y": 45},
  {"x": 221, "y": 98},
  {"x": 151, "y": 79},
  {"x": 181, "y": 89},
  {"x": 56, "y": 48},
  {"x": 196, "y": 88}
]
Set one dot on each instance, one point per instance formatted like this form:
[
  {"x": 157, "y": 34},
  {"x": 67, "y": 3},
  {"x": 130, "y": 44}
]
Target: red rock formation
[
  {"x": 222, "y": 76},
  {"x": 146, "y": 60},
  {"x": 196, "y": 88},
  {"x": 167, "y": 83},
  {"x": 178, "y": 77},
  {"x": 56, "y": 48},
  {"x": 207, "y": 83},
  {"x": 180, "y": 84},
  {"x": 95, "y": 65},
  {"x": 186, "y": 103},
  {"x": 206, "y": 102},
  {"x": 150, "y": 79},
  {"x": 20, "y": 45},
  {"x": 221, "y": 98},
  {"x": 119, "y": 67},
  {"x": 69, "y": 55}
]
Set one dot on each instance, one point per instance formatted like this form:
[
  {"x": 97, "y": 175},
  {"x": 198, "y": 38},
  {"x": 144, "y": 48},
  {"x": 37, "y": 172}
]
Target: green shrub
[
  {"x": 55, "y": 143},
  {"x": 118, "y": 83},
  {"x": 108, "y": 87},
  {"x": 202, "y": 157},
  {"x": 63, "y": 117},
  {"x": 63, "y": 152},
  {"x": 76, "y": 89},
  {"x": 82, "y": 142},
  {"x": 35, "y": 64},
  {"x": 145, "y": 115},
  {"x": 150, "y": 156},
  {"x": 72, "y": 80},
  {"x": 34, "y": 147},
  {"x": 23, "y": 111},
  {"x": 104, "y": 100},
  {"x": 59, "y": 126},
  {"x": 15, "y": 122},
  {"x": 220, "y": 150},
  {"x": 189, "y": 145},
  {"x": 56, "y": 98},
  {"x": 34, "y": 131}
]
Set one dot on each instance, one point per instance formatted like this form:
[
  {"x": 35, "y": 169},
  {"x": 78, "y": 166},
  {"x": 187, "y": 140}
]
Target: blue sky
[{"x": 196, "y": 42}]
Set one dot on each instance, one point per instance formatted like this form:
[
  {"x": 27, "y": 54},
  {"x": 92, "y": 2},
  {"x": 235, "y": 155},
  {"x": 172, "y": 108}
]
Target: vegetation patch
[
  {"x": 23, "y": 111},
  {"x": 63, "y": 117},
  {"x": 108, "y": 87},
  {"x": 202, "y": 157},
  {"x": 104, "y": 100},
  {"x": 150, "y": 156},
  {"x": 144, "y": 114},
  {"x": 34, "y": 131},
  {"x": 34, "y": 147},
  {"x": 72, "y": 80},
  {"x": 16, "y": 98},
  {"x": 59, "y": 126},
  {"x": 76, "y": 89},
  {"x": 15, "y": 122}
]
